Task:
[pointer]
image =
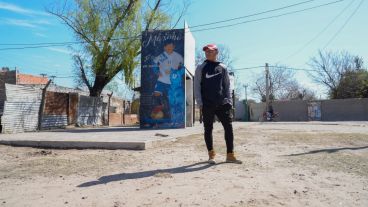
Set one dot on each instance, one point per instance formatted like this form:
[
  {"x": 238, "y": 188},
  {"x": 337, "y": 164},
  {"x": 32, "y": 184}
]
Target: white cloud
[
  {"x": 25, "y": 23},
  {"x": 39, "y": 34},
  {"x": 60, "y": 50},
  {"x": 20, "y": 10},
  {"x": 21, "y": 23}
]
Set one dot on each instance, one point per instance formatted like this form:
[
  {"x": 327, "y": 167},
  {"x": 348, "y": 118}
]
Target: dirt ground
[{"x": 285, "y": 164}]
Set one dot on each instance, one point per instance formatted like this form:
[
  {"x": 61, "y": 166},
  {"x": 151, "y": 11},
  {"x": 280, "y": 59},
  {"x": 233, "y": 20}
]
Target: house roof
[{"x": 30, "y": 79}]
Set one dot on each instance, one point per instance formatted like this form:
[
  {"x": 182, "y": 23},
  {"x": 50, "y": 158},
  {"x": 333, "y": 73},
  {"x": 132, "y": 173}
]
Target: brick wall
[
  {"x": 116, "y": 119},
  {"x": 56, "y": 103}
]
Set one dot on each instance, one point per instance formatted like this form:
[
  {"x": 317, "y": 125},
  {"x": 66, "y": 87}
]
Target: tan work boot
[
  {"x": 230, "y": 158},
  {"x": 211, "y": 157}
]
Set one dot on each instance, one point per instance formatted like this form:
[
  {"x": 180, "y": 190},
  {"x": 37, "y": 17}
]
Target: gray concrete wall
[
  {"x": 239, "y": 110},
  {"x": 287, "y": 110},
  {"x": 291, "y": 110},
  {"x": 331, "y": 110},
  {"x": 256, "y": 111},
  {"x": 345, "y": 110}
]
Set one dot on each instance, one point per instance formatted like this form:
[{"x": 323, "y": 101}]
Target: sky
[{"x": 289, "y": 40}]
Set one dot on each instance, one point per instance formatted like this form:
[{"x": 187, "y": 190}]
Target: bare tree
[
  {"x": 281, "y": 79},
  {"x": 283, "y": 86},
  {"x": 296, "y": 92},
  {"x": 330, "y": 67}
]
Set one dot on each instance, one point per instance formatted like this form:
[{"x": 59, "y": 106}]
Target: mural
[
  {"x": 162, "y": 80},
  {"x": 314, "y": 111}
]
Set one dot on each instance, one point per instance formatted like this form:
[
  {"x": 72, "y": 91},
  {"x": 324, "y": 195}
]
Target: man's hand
[{"x": 227, "y": 107}]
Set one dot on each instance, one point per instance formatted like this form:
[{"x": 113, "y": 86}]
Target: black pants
[{"x": 224, "y": 114}]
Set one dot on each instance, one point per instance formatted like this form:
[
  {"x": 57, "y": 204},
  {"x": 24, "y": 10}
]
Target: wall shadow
[
  {"x": 137, "y": 175},
  {"x": 329, "y": 150}
]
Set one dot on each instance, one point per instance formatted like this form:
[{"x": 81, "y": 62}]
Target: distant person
[
  {"x": 270, "y": 113},
  {"x": 212, "y": 93}
]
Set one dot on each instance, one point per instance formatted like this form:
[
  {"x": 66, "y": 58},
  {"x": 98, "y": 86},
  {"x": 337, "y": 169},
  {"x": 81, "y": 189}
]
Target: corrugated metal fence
[
  {"x": 60, "y": 107},
  {"x": 22, "y": 106},
  {"x": 21, "y": 109},
  {"x": 90, "y": 111}
]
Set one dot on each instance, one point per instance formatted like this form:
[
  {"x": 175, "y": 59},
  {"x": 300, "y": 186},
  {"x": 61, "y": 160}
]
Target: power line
[
  {"x": 251, "y": 15},
  {"x": 36, "y": 66},
  {"x": 236, "y": 69},
  {"x": 248, "y": 68},
  {"x": 42, "y": 45},
  {"x": 274, "y": 66},
  {"x": 67, "y": 43},
  {"x": 270, "y": 17},
  {"x": 211, "y": 23},
  {"x": 58, "y": 44},
  {"x": 321, "y": 32},
  {"x": 290, "y": 68},
  {"x": 33, "y": 47},
  {"x": 343, "y": 26},
  {"x": 74, "y": 76}
]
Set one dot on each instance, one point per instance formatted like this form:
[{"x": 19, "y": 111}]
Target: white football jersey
[{"x": 166, "y": 62}]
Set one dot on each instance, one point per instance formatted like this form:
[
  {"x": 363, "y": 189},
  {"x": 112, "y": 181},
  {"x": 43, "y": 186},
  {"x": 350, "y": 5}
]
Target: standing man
[{"x": 212, "y": 93}]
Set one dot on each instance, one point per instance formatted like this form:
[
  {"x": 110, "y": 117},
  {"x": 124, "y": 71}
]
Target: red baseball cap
[{"x": 210, "y": 47}]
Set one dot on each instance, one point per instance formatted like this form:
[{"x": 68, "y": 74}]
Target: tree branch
[
  {"x": 185, "y": 8},
  {"x": 150, "y": 20},
  {"x": 68, "y": 21},
  {"x": 83, "y": 76}
]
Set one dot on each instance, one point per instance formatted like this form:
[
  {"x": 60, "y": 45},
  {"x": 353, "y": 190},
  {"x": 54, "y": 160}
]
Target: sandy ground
[{"x": 284, "y": 165}]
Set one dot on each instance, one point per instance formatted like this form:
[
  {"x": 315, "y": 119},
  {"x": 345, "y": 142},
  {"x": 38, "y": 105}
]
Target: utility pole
[
  {"x": 42, "y": 105},
  {"x": 52, "y": 77},
  {"x": 246, "y": 114},
  {"x": 267, "y": 87},
  {"x": 245, "y": 90}
]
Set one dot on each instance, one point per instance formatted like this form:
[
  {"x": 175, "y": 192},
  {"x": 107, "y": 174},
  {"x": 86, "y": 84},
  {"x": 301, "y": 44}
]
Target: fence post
[
  {"x": 124, "y": 102},
  {"x": 108, "y": 108},
  {"x": 42, "y": 106}
]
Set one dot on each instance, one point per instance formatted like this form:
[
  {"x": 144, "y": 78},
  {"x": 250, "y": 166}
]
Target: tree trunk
[{"x": 98, "y": 86}]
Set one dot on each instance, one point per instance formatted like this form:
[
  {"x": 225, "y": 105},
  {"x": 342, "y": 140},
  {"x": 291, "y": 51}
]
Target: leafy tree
[
  {"x": 353, "y": 84},
  {"x": 110, "y": 34}
]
